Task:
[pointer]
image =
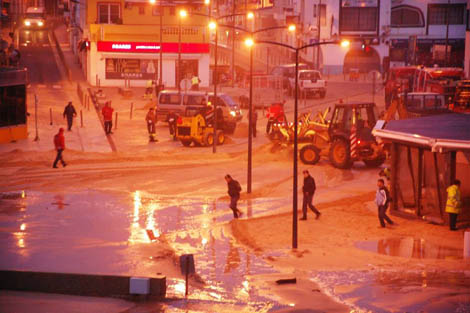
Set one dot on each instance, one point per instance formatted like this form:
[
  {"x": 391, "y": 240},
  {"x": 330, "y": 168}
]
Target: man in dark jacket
[
  {"x": 70, "y": 113},
  {"x": 308, "y": 190},
  {"x": 59, "y": 143},
  {"x": 234, "y": 189}
]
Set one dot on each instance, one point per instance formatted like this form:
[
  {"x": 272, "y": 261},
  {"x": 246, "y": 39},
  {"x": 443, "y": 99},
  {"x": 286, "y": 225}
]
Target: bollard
[
  {"x": 81, "y": 118},
  {"x": 36, "y": 117},
  {"x": 466, "y": 245},
  {"x": 115, "y": 121},
  {"x": 50, "y": 115},
  {"x": 132, "y": 108}
]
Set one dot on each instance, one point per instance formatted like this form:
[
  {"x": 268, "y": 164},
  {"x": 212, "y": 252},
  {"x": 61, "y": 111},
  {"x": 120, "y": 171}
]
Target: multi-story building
[
  {"x": 121, "y": 41},
  {"x": 420, "y": 30},
  {"x": 467, "y": 44},
  {"x": 364, "y": 23}
]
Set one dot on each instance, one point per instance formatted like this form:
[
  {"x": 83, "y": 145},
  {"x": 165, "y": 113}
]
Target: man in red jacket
[
  {"x": 107, "y": 112},
  {"x": 59, "y": 143}
]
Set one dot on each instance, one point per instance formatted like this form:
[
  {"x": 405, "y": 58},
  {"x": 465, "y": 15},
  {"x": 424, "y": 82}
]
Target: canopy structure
[{"x": 427, "y": 155}]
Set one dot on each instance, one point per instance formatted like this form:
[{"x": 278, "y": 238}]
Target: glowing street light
[
  {"x": 250, "y": 15},
  {"x": 249, "y": 42},
  {"x": 152, "y": 1},
  {"x": 212, "y": 25},
  {"x": 345, "y": 43},
  {"x": 291, "y": 28},
  {"x": 207, "y": 2},
  {"x": 183, "y": 13}
]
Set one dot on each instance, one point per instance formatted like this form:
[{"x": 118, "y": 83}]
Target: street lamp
[
  {"x": 182, "y": 14},
  {"x": 343, "y": 44},
  {"x": 161, "y": 42}
]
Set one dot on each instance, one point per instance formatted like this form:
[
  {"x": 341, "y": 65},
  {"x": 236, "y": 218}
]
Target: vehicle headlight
[
  {"x": 40, "y": 23},
  {"x": 233, "y": 113},
  {"x": 27, "y": 23}
]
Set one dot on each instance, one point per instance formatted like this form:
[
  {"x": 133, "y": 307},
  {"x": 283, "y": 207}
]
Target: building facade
[
  {"x": 122, "y": 41},
  {"x": 420, "y": 30},
  {"x": 364, "y": 23}
]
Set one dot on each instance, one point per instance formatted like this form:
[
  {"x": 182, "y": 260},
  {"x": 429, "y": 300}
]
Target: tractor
[
  {"x": 346, "y": 138},
  {"x": 195, "y": 127}
]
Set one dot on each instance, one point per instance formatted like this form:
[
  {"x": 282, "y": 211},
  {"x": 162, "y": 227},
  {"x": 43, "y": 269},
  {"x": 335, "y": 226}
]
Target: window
[
  {"x": 172, "y": 11},
  {"x": 108, "y": 13},
  {"x": 358, "y": 19},
  {"x": 438, "y": 14},
  {"x": 131, "y": 69},
  {"x": 156, "y": 10},
  {"x": 407, "y": 16},
  {"x": 141, "y": 10}
]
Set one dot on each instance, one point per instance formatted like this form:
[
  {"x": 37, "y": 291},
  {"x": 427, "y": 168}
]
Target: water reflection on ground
[
  {"x": 409, "y": 247},
  {"x": 392, "y": 291}
]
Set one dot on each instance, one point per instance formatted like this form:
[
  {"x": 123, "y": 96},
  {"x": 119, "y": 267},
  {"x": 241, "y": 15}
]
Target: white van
[
  {"x": 35, "y": 17},
  {"x": 172, "y": 101}
]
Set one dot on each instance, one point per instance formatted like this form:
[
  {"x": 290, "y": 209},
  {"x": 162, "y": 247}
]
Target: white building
[
  {"x": 364, "y": 22},
  {"x": 420, "y": 29}
]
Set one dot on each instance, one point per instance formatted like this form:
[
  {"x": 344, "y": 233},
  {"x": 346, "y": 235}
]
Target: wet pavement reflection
[
  {"x": 114, "y": 233},
  {"x": 409, "y": 247},
  {"x": 394, "y": 291}
]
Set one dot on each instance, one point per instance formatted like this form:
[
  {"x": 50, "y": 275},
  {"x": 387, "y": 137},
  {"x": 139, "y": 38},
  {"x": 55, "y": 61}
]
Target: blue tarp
[{"x": 447, "y": 126}]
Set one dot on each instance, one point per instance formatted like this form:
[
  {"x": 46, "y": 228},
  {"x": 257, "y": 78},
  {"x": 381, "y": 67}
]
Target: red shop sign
[{"x": 151, "y": 47}]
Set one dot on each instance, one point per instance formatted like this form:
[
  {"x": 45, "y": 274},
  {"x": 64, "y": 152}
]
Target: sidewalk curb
[{"x": 77, "y": 284}]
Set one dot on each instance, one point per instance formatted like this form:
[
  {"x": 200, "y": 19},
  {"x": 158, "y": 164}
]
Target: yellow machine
[{"x": 194, "y": 129}]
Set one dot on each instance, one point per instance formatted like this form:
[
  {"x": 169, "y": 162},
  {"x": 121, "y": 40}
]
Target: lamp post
[
  {"x": 182, "y": 14},
  {"x": 295, "y": 166},
  {"x": 249, "y": 43}
]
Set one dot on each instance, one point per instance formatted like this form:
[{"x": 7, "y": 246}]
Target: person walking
[
  {"x": 195, "y": 82},
  {"x": 308, "y": 189},
  {"x": 69, "y": 113},
  {"x": 254, "y": 120},
  {"x": 172, "y": 120},
  {"x": 59, "y": 143},
  {"x": 107, "y": 112},
  {"x": 151, "y": 119},
  {"x": 234, "y": 189},
  {"x": 453, "y": 204},
  {"x": 382, "y": 199}
]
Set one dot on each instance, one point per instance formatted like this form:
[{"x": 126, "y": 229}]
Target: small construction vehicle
[
  {"x": 345, "y": 139},
  {"x": 197, "y": 127}
]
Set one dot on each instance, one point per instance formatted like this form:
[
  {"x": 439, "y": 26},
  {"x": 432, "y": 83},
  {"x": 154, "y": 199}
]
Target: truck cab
[{"x": 35, "y": 17}]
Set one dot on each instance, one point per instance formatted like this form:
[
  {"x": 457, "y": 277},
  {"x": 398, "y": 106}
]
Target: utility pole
[
  {"x": 447, "y": 31},
  {"x": 233, "y": 43},
  {"x": 319, "y": 35}
]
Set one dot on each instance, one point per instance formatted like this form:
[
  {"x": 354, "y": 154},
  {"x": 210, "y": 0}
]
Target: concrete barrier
[{"x": 76, "y": 284}]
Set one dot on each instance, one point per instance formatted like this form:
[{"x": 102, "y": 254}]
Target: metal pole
[
  {"x": 447, "y": 31},
  {"x": 294, "y": 196},
  {"x": 233, "y": 44},
  {"x": 178, "y": 74},
  {"x": 319, "y": 35},
  {"x": 161, "y": 45},
  {"x": 81, "y": 118},
  {"x": 36, "y": 117},
  {"x": 373, "y": 86},
  {"x": 216, "y": 78},
  {"x": 250, "y": 123},
  {"x": 50, "y": 115}
]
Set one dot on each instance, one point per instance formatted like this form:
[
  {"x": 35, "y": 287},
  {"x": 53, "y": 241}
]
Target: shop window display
[{"x": 131, "y": 69}]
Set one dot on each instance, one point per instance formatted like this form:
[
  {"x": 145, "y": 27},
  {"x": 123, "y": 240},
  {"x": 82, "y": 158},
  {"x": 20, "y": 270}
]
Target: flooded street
[{"x": 144, "y": 234}]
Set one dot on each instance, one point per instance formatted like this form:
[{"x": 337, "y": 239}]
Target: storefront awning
[{"x": 439, "y": 132}]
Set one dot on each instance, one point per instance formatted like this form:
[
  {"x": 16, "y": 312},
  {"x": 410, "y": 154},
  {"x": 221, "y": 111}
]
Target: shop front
[{"x": 114, "y": 63}]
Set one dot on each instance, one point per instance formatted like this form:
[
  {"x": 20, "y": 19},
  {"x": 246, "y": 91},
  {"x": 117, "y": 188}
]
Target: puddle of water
[
  {"x": 115, "y": 233},
  {"x": 391, "y": 291},
  {"x": 409, "y": 247}
]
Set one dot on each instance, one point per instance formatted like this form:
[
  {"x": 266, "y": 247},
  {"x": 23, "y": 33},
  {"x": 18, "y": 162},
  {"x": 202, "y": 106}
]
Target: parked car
[
  {"x": 310, "y": 83},
  {"x": 287, "y": 71},
  {"x": 35, "y": 17},
  {"x": 172, "y": 101}
]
